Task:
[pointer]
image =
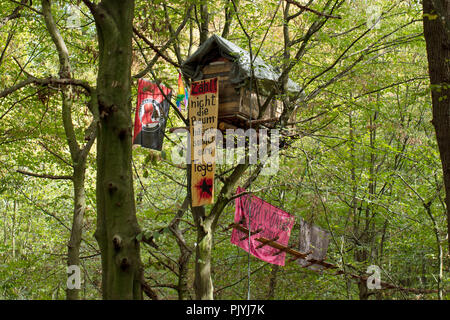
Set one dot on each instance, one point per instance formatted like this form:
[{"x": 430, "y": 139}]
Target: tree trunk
[
  {"x": 272, "y": 282},
  {"x": 203, "y": 285},
  {"x": 361, "y": 255},
  {"x": 363, "y": 291},
  {"x": 440, "y": 252},
  {"x": 13, "y": 230},
  {"x": 117, "y": 225},
  {"x": 438, "y": 52},
  {"x": 78, "y": 155},
  {"x": 183, "y": 290},
  {"x": 185, "y": 252},
  {"x": 5, "y": 215},
  {"x": 204, "y": 23},
  {"x": 205, "y": 226},
  {"x": 73, "y": 256}
]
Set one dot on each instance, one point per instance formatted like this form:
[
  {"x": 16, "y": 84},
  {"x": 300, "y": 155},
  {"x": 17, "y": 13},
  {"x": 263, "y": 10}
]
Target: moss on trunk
[{"x": 117, "y": 225}]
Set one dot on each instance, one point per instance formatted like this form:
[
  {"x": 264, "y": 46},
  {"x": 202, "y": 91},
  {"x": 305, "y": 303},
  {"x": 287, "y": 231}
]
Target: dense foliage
[{"x": 364, "y": 162}]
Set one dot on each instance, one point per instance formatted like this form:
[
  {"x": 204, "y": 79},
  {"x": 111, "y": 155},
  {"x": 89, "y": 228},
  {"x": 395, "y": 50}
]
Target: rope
[{"x": 250, "y": 172}]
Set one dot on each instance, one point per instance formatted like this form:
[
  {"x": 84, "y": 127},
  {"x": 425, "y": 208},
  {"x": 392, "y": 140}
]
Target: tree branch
[
  {"x": 148, "y": 290},
  {"x": 63, "y": 52},
  {"x": 55, "y": 154},
  {"x": 14, "y": 15},
  {"x": 91, "y": 6},
  {"x": 45, "y": 176},
  {"x": 154, "y": 48},
  {"x": 46, "y": 81},
  {"x": 295, "y": 3},
  {"x": 23, "y": 3},
  {"x": 225, "y": 193},
  {"x": 164, "y": 47}
]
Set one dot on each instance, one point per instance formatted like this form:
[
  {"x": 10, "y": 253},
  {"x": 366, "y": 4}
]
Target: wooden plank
[
  {"x": 274, "y": 109},
  {"x": 246, "y": 109},
  {"x": 265, "y": 244},
  {"x": 228, "y": 108},
  {"x": 217, "y": 67},
  {"x": 224, "y": 126},
  {"x": 262, "y": 121},
  {"x": 227, "y": 101},
  {"x": 203, "y": 107},
  {"x": 227, "y": 90},
  {"x": 229, "y": 94},
  {"x": 251, "y": 234},
  {"x": 222, "y": 76},
  {"x": 208, "y": 70},
  {"x": 282, "y": 250},
  {"x": 296, "y": 258},
  {"x": 288, "y": 250}
]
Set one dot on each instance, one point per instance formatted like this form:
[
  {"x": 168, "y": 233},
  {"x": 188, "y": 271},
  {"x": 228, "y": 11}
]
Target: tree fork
[{"x": 77, "y": 154}]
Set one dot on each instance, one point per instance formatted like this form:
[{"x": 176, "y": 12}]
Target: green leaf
[
  {"x": 430, "y": 16},
  {"x": 148, "y": 233}
]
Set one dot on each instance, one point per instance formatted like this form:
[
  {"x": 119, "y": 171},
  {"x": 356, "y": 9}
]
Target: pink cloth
[{"x": 273, "y": 222}]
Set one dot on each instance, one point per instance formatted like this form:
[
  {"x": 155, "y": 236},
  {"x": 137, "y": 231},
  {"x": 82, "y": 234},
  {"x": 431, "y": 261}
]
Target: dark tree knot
[
  {"x": 117, "y": 242},
  {"x": 123, "y": 133},
  {"x": 112, "y": 187},
  {"x": 105, "y": 110},
  {"x": 124, "y": 264}
]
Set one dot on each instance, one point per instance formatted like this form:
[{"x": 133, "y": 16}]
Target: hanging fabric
[
  {"x": 315, "y": 240},
  {"x": 182, "y": 95},
  {"x": 266, "y": 221},
  {"x": 152, "y": 111}
]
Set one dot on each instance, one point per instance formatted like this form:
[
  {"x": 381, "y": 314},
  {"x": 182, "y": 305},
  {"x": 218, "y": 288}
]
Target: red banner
[
  {"x": 272, "y": 221},
  {"x": 152, "y": 111},
  {"x": 204, "y": 87}
]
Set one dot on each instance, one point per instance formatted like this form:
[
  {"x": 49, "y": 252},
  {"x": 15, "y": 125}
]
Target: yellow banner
[{"x": 203, "y": 114}]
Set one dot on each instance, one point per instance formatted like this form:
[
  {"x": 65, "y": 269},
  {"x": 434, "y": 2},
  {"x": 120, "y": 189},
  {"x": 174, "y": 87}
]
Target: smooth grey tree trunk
[{"x": 78, "y": 155}]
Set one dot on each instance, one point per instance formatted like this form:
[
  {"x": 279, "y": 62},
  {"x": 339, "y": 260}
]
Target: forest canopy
[{"x": 363, "y": 148}]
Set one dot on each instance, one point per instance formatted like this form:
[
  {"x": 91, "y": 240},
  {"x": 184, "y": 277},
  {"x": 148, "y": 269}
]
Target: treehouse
[{"x": 240, "y": 98}]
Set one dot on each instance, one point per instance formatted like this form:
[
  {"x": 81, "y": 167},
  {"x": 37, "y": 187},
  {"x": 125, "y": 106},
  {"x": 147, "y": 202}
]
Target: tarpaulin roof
[{"x": 216, "y": 47}]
